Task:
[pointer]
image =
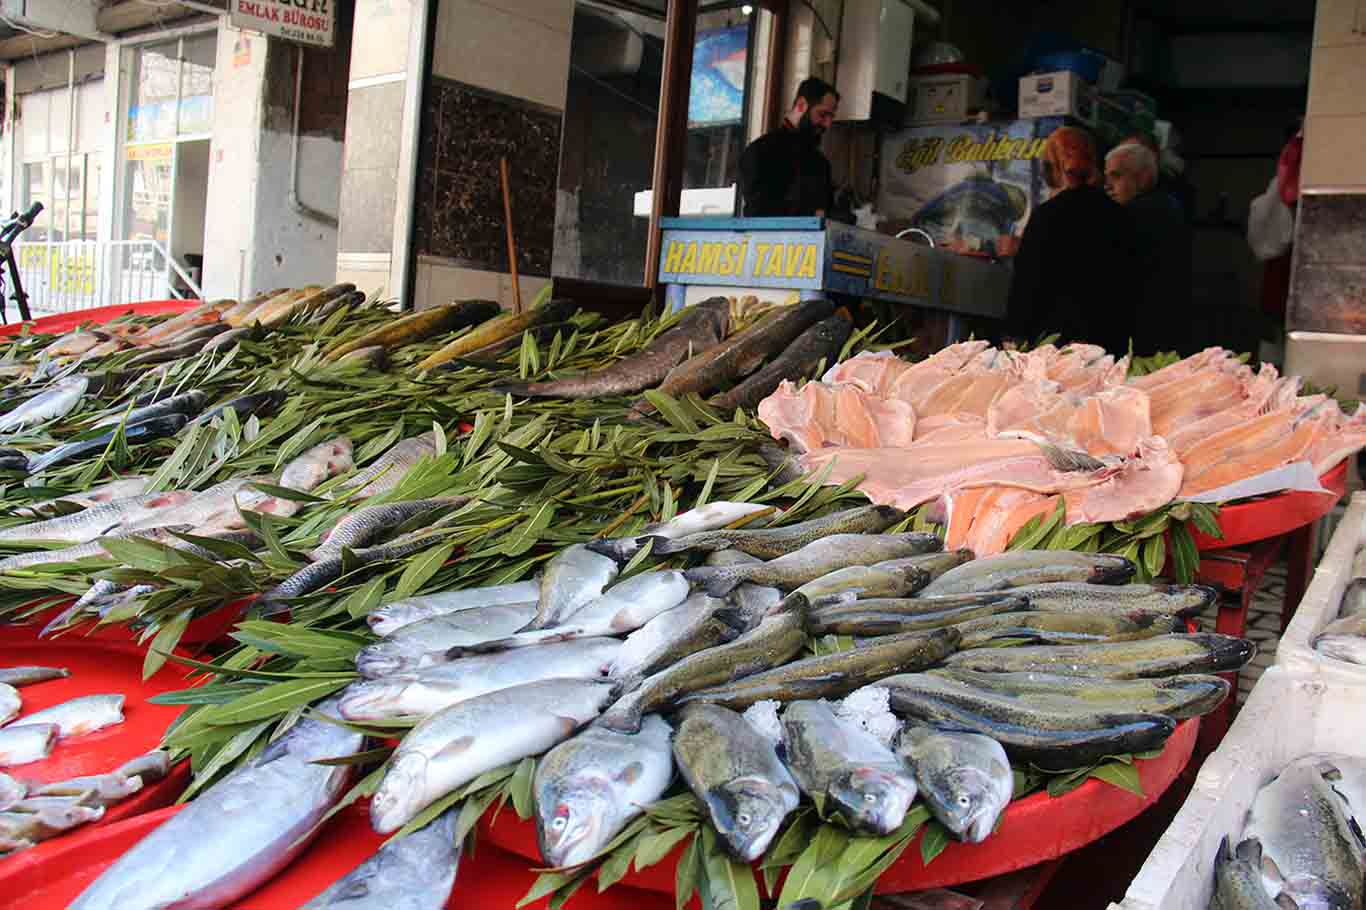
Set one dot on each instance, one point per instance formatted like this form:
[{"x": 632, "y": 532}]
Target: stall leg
[{"x": 1299, "y": 559}]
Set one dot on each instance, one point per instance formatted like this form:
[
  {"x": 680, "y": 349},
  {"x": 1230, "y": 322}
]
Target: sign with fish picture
[{"x": 971, "y": 187}]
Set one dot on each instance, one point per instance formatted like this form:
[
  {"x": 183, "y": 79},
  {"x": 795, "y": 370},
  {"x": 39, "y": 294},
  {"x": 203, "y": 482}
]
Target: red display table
[{"x": 65, "y": 322}]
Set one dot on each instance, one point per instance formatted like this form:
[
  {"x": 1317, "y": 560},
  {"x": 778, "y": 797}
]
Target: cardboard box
[
  {"x": 1060, "y": 94},
  {"x": 944, "y": 99}
]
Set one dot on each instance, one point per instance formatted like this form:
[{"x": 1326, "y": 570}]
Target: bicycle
[{"x": 9, "y": 232}]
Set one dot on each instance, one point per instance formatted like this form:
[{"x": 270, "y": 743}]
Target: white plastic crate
[
  {"x": 1286, "y": 716},
  {"x": 1321, "y": 603}
]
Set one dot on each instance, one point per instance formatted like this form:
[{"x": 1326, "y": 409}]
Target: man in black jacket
[{"x": 784, "y": 173}]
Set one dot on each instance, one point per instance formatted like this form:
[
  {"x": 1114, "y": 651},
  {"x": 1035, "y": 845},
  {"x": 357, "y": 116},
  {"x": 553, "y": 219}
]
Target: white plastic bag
[{"x": 1270, "y": 224}]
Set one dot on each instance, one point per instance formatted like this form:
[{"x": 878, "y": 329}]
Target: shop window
[
  {"x": 155, "y": 78},
  {"x": 718, "y": 102},
  {"x": 196, "y": 85}
]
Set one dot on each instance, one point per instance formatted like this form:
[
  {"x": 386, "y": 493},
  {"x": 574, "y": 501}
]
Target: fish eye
[
  {"x": 964, "y": 800},
  {"x": 744, "y": 818},
  {"x": 558, "y": 823},
  {"x": 869, "y": 798}
]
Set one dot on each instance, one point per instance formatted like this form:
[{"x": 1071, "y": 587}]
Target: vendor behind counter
[{"x": 784, "y": 173}]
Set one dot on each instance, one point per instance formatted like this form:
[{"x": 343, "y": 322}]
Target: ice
[
  {"x": 870, "y": 708},
  {"x": 763, "y": 716}
]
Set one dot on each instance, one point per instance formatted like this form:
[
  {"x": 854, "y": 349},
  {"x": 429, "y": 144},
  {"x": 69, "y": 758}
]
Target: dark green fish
[
  {"x": 1027, "y": 567},
  {"x": 817, "y": 558},
  {"x": 821, "y": 343},
  {"x": 1163, "y": 655}
]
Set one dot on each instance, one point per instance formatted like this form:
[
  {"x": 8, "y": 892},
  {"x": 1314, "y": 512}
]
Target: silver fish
[
  {"x": 430, "y": 690},
  {"x": 1027, "y": 567},
  {"x": 388, "y": 471},
  {"x": 1238, "y": 880},
  {"x": 189, "y": 404},
  {"x": 853, "y": 582},
  {"x": 457, "y": 744},
  {"x": 575, "y": 576},
  {"x": 425, "y": 643},
  {"x": 672, "y": 635},
  {"x": 88, "y": 524},
  {"x": 848, "y": 767},
  {"x": 203, "y": 507},
  {"x": 84, "y": 714},
  {"x": 96, "y": 789},
  {"x": 964, "y": 778},
  {"x": 710, "y": 517},
  {"x": 27, "y": 676},
  {"x": 57, "y": 401},
  {"x": 385, "y": 620},
  {"x": 10, "y": 703},
  {"x": 239, "y": 832},
  {"x": 322, "y": 461},
  {"x": 125, "y": 488},
  {"x": 820, "y": 557},
  {"x": 364, "y": 525},
  {"x": 415, "y": 872},
  {"x": 11, "y": 791},
  {"x": 21, "y": 745},
  {"x": 623, "y": 608},
  {"x": 590, "y": 787},
  {"x": 771, "y": 543},
  {"x": 47, "y": 820}
]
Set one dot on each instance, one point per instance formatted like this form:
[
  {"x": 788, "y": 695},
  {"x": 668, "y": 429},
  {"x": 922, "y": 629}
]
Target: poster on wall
[
  {"x": 303, "y": 21},
  {"x": 717, "y": 93},
  {"x": 971, "y": 187}
]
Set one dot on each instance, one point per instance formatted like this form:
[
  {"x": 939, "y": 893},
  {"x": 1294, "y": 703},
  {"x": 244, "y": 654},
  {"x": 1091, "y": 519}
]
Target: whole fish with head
[
  {"x": 818, "y": 558},
  {"x": 1238, "y": 880},
  {"x": 301, "y": 306},
  {"x": 592, "y": 785},
  {"x": 1017, "y": 568},
  {"x": 499, "y": 328},
  {"x": 622, "y": 608},
  {"x": 240, "y": 831},
  {"x": 428, "y": 691},
  {"x": 266, "y": 312},
  {"x": 83, "y": 714},
  {"x": 20, "y": 745},
  {"x": 701, "y": 327},
  {"x": 1312, "y": 849},
  {"x": 423, "y": 644},
  {"x": 1081, "y": 597},
  {"x": 364, "y": 525},
  {"x": 700, "y": 622},
  {"x": 315, "y": 575},
  {"x": 237, "y": 314},
  {"x": 737, "y": 775},
  {"x": 97, "y": 789},
  {"x": 892, "y": 616},
  {"x": 415, "y": 872},
  {"x": 88, "y": 524},
  {"x": 257, "y": 404},
  {"x": 74, "y": 343},
  {"x": 133, "y": 434},
  {"x": 1179, "y": 697},
  {"x": 188, "y": 404},
  {"x": 385, "y": 620},
  {"x": 838, "y": 762},
  {"x": 355, "y": 299},
  {"x": 11, "y": 791},
  {"x": 177, "y": 348},
  {"x": 820, "y": 343},
  {"x": 771, "y": 543},
  {"x": 964, "y": 778},
  {"x": 421, "y": 325},
  {"x": 226, "y": 340},
  {"x": 1162, "y": 655},
  {"x": 388, "y": 470},
  {"x": 573, "y": 577},
  {"x": 833, "y": 675},
  {"x": 91, "y": 549},
  {"x": 28, "y": 676},
  {"x": 854, "y": 582},
  {"x": 775, "y": 641},
  {"x": 10, "y": 703},
  {"x": 55, "y": 402},
  {"x": 1043, "y": 628},
  {"x": 709, "y": 517},
  {"x": 1062, "y": 735},
  {"x": 455, "y": 745}
]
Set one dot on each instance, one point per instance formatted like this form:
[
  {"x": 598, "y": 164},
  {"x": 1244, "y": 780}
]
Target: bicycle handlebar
[{"x": 33, "y": 211}]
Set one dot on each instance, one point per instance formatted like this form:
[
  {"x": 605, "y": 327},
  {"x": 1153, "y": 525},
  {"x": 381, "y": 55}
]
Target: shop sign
[
  {"x": 156, "y": 151},
  {"x": 772, "y": 259},
  {"x": 303, "y": 21}
]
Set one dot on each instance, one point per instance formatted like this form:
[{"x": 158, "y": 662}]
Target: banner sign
[
  {"x": 766, "y": 259},
  {"x": 303, "y": 21}
]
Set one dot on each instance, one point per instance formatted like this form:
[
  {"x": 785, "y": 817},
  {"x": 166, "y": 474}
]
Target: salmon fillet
[
  {"x": 1181, "y": 369},
  {"x": 1248, "y": 459},
  {"x": 1140, "y": 486},
  {"x": 962, "y": 508},
  {"x": 1000, "y": 516},
  {"x": 819, "y": 416},
  {"x": 1336, "y": 442},
  {"x": 874, "y": 372},
  {"x": 1109, "y": 422}
]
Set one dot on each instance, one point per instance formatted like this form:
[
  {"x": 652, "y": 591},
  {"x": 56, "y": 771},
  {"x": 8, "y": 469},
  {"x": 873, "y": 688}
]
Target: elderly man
[{"x": 1163, "y": 248}]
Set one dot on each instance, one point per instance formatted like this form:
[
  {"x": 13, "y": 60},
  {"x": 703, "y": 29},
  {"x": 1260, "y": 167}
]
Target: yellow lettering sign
[
  {"x": 774, "y": 269},
  {"x": 674, "y": 258},
  {"x": 709, "y": 263},
  {"x": 808, "y": 268},
  {"x": 690, "y": 258},
  {"x": 735, "y": 259}
]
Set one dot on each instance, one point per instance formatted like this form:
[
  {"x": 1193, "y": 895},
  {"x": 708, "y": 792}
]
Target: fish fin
[
  {"x": 456, "y": 746},
  {"x": 1286, "y": 902},
  {"x": 631, "y": 773},
  {"x": 1067, "y": 460},
  {"x": 718, "y": 582},
  {"x": 660, "y": 546}
]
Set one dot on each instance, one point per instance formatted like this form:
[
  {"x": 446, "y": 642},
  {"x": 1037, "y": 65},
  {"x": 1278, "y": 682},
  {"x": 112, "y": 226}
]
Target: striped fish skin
[{"x": 85, "y": 526}]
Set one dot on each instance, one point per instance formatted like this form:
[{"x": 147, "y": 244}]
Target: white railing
[{"x": 62, "y": 276}]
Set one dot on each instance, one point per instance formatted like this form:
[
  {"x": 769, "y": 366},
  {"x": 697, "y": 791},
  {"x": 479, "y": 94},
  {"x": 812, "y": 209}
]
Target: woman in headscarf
[{"x": 1074, "y": 272}]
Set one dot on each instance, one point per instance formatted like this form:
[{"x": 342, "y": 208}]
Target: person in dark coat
[
  {"x": 1074, "y": 272},
  {"x": 1163, "y": 245},
  {"x": 783, "y": 172}
]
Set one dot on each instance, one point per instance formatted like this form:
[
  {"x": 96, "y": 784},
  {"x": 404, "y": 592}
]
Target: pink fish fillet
[
  {"x": 1109, "y": 422},
  {"x": 819, "y": 416},
  {"x": 1208, "y": 392},
  {"x": 1262, "y": 400},
  {"x": 1182, "y": 369},
  {"x": 961, "y": 508},
  {"x": 949, "y": 428},
  {"x": 873, "y": 371},
  {"x": 967, "y": 392},
  {"x": 1141, "y": 485},
  {"x": 1336, "y": 443},
  {"x": 1001, "y": 515}
]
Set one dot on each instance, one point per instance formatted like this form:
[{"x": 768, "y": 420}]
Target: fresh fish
[
  {"x": 58, "y": 401},
  {"x": 119, "y": 784},
  {"x": 1081, "y": 597},
  {"x": 1354, "y": 598},
  {"x": 1348, "y": 648},
  {"x": 1057, "y": 737},
  {"x": 736, "y": 774},
  {"x": 420, "y": 325},
  {"x": 424, "y": 643},
  {"x": 10, "y": 845},
  {"x": 499, "y": 328},
  {"x": 1029, "y": 567},
  {"x": 47, "y": 820},
  {"x": 457, "y": 744},
  {"x": 1066, "y": 628},
  {"x": 1311, "y": 849},
  {"x": 770, "y": 543},
  {"x": 92, "y": 549},
  {"x": 388, "y": 470},
  {"x": 20, "y": 745},
  {"x": 364, "y": 525},
  {"x": 301, "y": 305},
  {"x": 127, "y": 488},
  {"x": 201, "y": 508},
  {"x": 88, "y": 524},
  {"x": 700, "y": 622},
  {"x": 854, "y": 582},
  {"x": 11, "y": 791},
  {"x": 1238, "y": 880},
  {"x": 228, "y": 338},
  {"x": 177, "y": 348},
  {"x": 814, "y": 560},
  {"x": 85, "y": 798},
  {"x": 775, "y": 641},
  {"x": 324, "y": 460},
  {"x": 592, "y": 785},
  {"x": 188, "y": 404},
  {"x": 353, "y": 299},
  {"x": 572, "y": 578},
  {"x": 73, "y": 343},
  {"x": 709, "y": 517},
  {"x": 846, "y": 767},
  {"x": 387, "y": 619},
  {"x": 701, "y": 327},
  {"x": 833, "y": 675},
  {"x": 133, "y": 434},
  {"x": 10, "y": 703},
  {"x": 964, "y": 778},
  {"x": 752, "y": 602},
  {"x": 893, "y": 616},
  {"x": 84, "y": 714},
  {"x": 239, "y": 832},
  {"x": 1178, "y": 697},
  {"x": 820, "y": 343},
  {"x": 27, "y": 676},
  {"x": 258, "y": 404},
  {"x": 318, "y": 574},
  {"x": 1163, "y": 655},
  {"x": 376, "y": 356},
  {"x": 415, "y": 872},
  {"x": 424, "y": 693},
  {"x": 935, "y": 564}
]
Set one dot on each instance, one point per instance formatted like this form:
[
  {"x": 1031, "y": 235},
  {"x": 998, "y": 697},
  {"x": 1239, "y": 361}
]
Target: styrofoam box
[
  {"x": 1321, "y": 603},
  {"x": 1286, "y": 716}
]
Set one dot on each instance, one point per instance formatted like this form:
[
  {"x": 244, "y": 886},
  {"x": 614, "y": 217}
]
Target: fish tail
[
  {"x": 660, "y": 546},
  {"x": 716, "y": 581},
  {"x": 520, "y": 389},
  {"x": 1068, "y": 460},
  {"x": 620, "y": 549}
]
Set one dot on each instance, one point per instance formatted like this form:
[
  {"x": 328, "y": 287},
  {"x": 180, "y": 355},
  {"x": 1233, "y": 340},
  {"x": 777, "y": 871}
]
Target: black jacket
[
  {"x": 1165, "y": 264},
  {"x": 1075, "y": 272},
  {"x": 783, "y": 173}
]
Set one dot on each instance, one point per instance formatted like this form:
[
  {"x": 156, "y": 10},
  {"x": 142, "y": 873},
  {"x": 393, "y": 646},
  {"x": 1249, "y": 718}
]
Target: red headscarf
[{"x": 1071, "y": 156}]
